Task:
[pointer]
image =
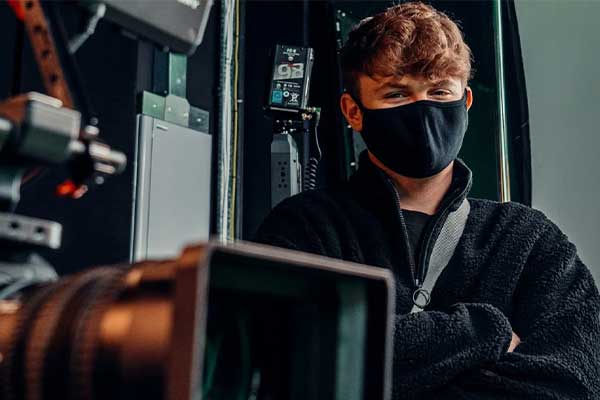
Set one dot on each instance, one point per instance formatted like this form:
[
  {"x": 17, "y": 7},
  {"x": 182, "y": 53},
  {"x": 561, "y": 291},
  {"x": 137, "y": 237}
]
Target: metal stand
[
  {"x": 295, "y": 152},
  {"x": 36, "y": 132},
  {"x": 20, "y": 237}
]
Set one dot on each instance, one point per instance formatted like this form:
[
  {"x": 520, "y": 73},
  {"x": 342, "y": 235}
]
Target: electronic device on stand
[{"x": 295, "y": 149}]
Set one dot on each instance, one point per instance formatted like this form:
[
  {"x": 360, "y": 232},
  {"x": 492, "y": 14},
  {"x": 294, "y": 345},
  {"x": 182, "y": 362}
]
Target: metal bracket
[
  {"x": 168, "y": 102},
  {"x": 30, "y": 231}
]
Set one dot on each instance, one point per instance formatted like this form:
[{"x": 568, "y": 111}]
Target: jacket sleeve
[
  {"x": 433, "y": 347},
  {"x": 302, "y": 226},
  {"x": 287, "y": 227},
  {"x": 556, "y": 315}
]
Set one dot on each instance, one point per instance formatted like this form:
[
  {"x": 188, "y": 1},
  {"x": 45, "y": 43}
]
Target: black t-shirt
[{"x": 415, "y": 225}]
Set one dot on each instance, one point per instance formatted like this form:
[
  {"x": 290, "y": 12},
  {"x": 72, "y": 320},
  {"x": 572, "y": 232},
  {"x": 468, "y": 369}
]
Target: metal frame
[{"x": 503, "y": 150}]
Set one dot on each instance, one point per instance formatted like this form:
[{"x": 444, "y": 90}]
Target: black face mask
[{"x": 416, "y": 140}]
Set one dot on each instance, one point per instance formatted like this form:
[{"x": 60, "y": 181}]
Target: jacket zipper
[
  {"x": 407, "y": 248},
  {"x": 419, "y": 272}
]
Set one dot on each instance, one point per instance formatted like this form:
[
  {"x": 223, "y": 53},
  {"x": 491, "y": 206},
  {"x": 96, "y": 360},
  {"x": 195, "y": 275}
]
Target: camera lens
[{"x": 45, "y": 343}]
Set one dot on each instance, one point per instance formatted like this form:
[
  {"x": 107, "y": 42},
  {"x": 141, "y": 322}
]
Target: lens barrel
[{"x": 100, "y": 334}]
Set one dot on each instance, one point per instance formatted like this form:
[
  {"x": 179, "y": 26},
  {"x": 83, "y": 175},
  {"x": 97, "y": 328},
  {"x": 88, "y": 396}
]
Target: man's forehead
[{"x": 406, "y": 81}]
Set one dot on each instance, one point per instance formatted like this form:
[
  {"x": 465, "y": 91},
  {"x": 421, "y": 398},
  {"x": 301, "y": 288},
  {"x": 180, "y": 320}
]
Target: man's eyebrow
[
  {"x": 391, "y": 85},
  {"x": 395, "y": 85},
  {"x": 443, "y": 82}
]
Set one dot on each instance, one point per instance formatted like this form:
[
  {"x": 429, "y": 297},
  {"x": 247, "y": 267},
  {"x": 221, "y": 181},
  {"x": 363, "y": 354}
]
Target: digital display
[
  {"x": 291, "y": 77},
  {"x": 289, "y": 71}
]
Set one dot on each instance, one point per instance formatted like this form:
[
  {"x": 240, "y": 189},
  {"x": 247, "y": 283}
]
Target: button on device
[{"x": 276, "y": 96}]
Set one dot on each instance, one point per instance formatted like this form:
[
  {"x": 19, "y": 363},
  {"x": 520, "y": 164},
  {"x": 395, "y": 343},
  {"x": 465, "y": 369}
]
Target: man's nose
[{"x": 418, "y": 96}]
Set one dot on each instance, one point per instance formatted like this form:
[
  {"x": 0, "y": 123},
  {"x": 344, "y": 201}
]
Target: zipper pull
[{"x": 421, "y": 297}]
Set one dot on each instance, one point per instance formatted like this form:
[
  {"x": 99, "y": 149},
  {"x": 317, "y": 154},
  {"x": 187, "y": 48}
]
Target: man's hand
[{"x": 515, "y": 341}]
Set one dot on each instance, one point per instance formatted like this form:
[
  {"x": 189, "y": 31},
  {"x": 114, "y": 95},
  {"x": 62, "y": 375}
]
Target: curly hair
[{"x": 407, "y": 39}]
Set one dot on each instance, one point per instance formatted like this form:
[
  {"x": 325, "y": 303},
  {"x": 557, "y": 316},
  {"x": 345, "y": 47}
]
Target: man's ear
[
  {"x": 351, "y": 111},
  {"x": 469, "y": 97}
]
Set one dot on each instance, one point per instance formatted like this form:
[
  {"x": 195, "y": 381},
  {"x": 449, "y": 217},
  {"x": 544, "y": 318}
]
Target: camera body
[{"x": 144, "y": 332}]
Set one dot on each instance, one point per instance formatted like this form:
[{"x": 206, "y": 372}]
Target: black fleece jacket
[{"x": 512, "y": 270}]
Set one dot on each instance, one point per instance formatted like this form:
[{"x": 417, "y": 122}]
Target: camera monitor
[{"x": 176, "y": 24}]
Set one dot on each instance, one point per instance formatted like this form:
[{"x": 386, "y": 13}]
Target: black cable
[
  {"x": 310, "y": 174},
  {"x": 312, "y": 165}
]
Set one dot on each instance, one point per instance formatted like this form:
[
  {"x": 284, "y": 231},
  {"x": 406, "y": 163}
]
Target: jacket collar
[{"x": 370, "y": 187}]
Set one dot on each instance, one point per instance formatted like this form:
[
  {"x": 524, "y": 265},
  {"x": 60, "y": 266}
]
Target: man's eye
[
  {"x": 394, "y": 95},
  {"x": 441, "y": 93}
]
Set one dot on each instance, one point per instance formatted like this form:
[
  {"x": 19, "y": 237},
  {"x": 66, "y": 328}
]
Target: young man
[{"x": 492, "y": 299}]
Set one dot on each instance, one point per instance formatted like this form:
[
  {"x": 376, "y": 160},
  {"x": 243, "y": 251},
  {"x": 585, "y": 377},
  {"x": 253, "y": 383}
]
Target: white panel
[
  {"x": 174, "y": 180},
  {"x": 561, "y": 52}
]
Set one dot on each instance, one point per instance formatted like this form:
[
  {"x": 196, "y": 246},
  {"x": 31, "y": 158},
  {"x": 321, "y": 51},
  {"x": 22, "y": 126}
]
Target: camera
[{"x": 220, "y": 321}]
